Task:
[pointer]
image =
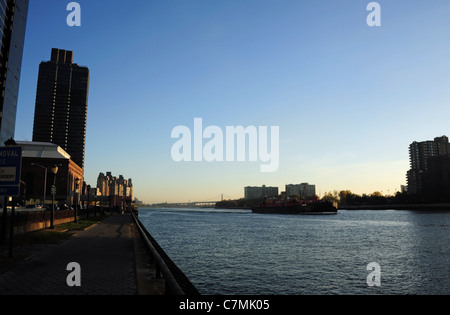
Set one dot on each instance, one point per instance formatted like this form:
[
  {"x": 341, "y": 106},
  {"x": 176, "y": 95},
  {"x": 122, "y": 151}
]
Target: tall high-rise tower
[
  {"x": 13, "y": 21},
  {"x": 62, "y": 104}
]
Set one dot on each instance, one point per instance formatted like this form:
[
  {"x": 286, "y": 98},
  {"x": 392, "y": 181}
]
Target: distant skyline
[{"x": 349, "y": 99}]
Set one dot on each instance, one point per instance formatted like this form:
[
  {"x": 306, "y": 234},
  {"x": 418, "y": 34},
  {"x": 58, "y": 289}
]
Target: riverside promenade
[{"x": 111, "y": 257}]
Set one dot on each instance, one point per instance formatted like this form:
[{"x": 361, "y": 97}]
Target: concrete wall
[{"x": 39, "y": 225}]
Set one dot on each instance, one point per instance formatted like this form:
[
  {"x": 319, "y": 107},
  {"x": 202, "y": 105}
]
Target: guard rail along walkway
[{"x": 176, "y": 281}]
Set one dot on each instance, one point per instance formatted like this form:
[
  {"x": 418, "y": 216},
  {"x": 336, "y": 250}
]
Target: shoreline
[
  {"x": 410, "y": 207},
  {"x": 404, "y": 207}
]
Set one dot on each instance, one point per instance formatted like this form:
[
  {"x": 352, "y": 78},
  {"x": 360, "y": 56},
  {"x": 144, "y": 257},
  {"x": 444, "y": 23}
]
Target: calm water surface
[{"x": 237, "y": 252}]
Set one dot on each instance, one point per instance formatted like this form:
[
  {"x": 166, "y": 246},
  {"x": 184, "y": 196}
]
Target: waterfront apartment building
[
  {"x": 62, "y": 104},
  {"x": 436, "y": 179},
  {"x": 115, "y": 191},
  {"x": 109, "y": 185},
  {"x": 102, "y": 185},
  {"x": 304, "y": 190},
  {"x": 253, "y": 193},
  {"x": 13, "y": 20},
  {"x": 420, "y": 177}
]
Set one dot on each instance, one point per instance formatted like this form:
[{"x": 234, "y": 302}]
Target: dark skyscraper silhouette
[
  {"x": 421, "y": 154},
  {"x": 62, "y": 103},
  {"x": 13, "y": 20}
]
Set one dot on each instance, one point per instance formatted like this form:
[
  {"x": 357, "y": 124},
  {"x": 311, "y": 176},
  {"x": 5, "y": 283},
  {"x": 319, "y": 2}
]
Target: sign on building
[{"x": 10, "y": 168}]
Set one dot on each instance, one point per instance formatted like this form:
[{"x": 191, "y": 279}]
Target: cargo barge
[{"x": 294, "y": 207}]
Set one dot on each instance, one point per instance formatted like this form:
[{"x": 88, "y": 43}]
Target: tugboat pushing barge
[{"x": 311, "y": 207}]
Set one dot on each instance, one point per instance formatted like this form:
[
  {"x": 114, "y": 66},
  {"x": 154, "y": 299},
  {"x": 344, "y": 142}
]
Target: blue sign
[{"x": 10, "y": 168}]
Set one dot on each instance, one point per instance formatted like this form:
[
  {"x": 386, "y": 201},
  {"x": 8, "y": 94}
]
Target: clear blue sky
[{"x": 348, "y": 98}]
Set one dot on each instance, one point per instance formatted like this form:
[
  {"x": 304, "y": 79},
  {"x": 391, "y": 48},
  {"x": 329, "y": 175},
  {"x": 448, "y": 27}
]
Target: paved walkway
[{"x": 105, "y": 253}]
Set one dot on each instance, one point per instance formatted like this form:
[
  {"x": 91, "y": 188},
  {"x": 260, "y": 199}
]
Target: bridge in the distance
[{"x": 210, "y": 202}]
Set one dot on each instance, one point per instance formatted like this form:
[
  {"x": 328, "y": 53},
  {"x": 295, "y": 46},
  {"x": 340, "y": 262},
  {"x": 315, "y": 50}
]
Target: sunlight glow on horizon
[{"x": 349, "y": 99}]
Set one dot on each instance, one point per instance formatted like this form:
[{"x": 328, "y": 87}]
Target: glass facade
[{"x": 13, "y": 20}]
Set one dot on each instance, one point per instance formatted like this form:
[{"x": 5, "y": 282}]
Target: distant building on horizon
[
  {"x": 62, "y": 104},
  {"x": 13, "y": 21},
  {"x": 403, "y": 189},
  {"x": 109, "y": 185},
  {"x": 113, "y": 190},
  {"x": 305, "y": 190},
  {"x": 436, "y": 179},
  {"x": 253, "y": 193},
  {"x": 428, "y": 159}
]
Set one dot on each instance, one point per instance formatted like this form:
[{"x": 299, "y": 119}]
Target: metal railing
[{"x": 176, "y": 281}]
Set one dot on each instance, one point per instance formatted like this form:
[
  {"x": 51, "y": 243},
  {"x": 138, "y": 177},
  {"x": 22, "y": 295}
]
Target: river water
[{"x": 237, "y": 252}]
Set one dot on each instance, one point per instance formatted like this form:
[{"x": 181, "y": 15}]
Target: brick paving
[{"x": 105, "y": 253}]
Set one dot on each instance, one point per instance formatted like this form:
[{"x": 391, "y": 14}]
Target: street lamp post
[
  {"x": 88, "y": 200},
  {"x": 54, "y": 170},
  {"x": 77, "y": 191}
]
